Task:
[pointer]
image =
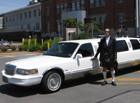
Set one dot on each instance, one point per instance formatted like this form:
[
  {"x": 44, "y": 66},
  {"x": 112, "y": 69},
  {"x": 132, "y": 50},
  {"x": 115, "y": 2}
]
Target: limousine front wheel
[{"x": 52, "y": 81}]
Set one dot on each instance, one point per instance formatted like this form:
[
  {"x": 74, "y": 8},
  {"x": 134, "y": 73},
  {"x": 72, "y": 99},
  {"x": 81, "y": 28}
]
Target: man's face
[{"x": 107, "y": 32}]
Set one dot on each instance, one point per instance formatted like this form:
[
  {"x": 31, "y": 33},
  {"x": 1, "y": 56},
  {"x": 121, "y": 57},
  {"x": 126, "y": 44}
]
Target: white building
[{"x": 23, "y": 21}]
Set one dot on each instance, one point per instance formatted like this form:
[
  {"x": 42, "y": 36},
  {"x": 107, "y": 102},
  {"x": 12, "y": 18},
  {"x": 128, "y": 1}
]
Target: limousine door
[{"x": 82, "y": 62}]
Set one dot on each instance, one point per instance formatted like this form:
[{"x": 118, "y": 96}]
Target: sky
[{"x": 8, "y": 5}]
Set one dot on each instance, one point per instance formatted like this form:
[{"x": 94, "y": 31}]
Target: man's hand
[
  {"x": 115, "y": 60},
  {"x": 94, "y": 58}
]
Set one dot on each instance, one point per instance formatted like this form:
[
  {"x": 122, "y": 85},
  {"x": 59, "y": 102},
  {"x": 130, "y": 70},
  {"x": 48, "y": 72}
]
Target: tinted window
[
  {"x": 86, "y": 50},
  {"x": 62, "y": 49},
  {"x": 121, "y": 46},
  {"x": 135, "y": 44}
]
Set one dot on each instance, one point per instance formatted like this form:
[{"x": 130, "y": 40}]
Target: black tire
[{"x": 52, "y": 81}]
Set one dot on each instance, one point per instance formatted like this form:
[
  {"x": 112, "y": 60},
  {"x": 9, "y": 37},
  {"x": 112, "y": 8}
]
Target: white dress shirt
[{"x": 107, "y": 40}]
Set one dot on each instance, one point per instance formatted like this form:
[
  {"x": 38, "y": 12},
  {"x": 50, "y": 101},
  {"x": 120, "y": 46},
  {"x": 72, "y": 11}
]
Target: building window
[
  {"x": 65, "y": 7},
  {"x": 61, "y": 8},
  {"x": 25, "y": 15},
  {"x": 20, "y": 16},
  {"x": 39, "y": 12},
  {"x": 21, "y": 27},
  {"x": 13, "y": 17},
  {"x": 29, "y": 14},
  {"x": 78, "y": 5},
  {"x": 73, "y": 5},
  {"x": 48, "y": 11},
  {"x": 91, "y": 3},
  {"x": 34, "y": 13},
  {"x": 97, "y": 3},
  {"x": 28, "y": 27},
  {"x": 48, "y": 27},
  {"x": 37, "y": 26},
  {"x": 102, "y": 2},
  {"x": 120, "y": 1},
  {"x": 6, "y": 20},
  {"x": 98, "y": 19},
  {"x": 121, "y": 21},
  {"x": 57, "y": 9},
  {"x": 103, "y": 22},
  {"x": 82, "y": 4},
  {"x": 17, "y": 17}
]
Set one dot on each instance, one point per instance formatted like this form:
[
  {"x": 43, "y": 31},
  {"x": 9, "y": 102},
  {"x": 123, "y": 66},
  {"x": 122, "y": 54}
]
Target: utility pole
[{"x": 137, "y": 18}]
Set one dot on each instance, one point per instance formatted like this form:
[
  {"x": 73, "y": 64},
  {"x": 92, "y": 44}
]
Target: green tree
[
  {"x": 86, "y": 27},
  {"x": 70, "y": 22},
  {"x": 96, "y": 27}
]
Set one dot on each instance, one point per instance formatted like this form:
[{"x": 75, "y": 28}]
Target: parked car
[
  {"x": 67, "y": 60},
  {"x": 5, "y": 43},
  {"x": 0, "y": 43}
]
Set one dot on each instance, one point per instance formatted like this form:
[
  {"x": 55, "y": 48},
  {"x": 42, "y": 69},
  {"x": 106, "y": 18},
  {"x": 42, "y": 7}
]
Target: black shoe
[
  {"x": 104, "y": 83},
  {"x": 114, "y": 84}
]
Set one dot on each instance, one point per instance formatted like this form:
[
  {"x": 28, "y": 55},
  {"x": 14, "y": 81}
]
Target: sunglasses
[{"x": 107, "y": 31}]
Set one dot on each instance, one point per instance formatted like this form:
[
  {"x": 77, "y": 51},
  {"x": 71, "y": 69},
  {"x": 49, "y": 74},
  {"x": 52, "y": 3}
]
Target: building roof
[{"x": 26, "y": 7}]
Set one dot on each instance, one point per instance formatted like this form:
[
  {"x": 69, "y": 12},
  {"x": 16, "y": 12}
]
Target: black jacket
[{"x": 107, "y": 51}]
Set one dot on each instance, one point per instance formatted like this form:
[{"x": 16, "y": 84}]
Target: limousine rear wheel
[{"x": 52, "y": 81}]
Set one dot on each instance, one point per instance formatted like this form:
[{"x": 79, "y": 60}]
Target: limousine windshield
[{"x": 62, "y": 49}]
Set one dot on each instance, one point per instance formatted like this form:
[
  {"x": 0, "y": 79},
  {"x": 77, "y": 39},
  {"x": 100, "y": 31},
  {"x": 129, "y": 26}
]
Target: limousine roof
[{"x": 97, "y": 40}]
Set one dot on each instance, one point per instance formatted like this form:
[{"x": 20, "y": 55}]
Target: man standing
[{"x": 108, "y": 56}]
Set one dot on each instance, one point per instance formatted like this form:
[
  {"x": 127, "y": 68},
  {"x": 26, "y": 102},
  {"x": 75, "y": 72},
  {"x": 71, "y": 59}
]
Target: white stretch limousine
[{"x": 67, "y": 60}]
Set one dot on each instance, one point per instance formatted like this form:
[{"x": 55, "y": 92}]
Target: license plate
[{"x": 5, "y": 79}]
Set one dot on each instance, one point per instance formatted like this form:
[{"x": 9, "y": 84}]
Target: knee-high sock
[
  {"x": 104, "y": 75},
  {"x": 113, "y": 75}
]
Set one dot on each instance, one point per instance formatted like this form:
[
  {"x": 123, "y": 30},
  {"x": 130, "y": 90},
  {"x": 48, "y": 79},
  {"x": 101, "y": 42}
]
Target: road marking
[
  {"x": 134, "y": 63},
  {"x": 138, "y": 71},
  {"x": 127, "y": 83},
  {"x": 125, "y": 79}
]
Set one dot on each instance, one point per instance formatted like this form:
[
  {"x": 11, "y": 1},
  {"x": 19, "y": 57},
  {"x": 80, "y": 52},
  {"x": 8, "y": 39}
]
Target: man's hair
[{"x": 107, "y": 28}]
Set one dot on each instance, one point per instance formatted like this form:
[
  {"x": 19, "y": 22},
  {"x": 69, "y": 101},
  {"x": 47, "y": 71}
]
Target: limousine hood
[{"x": 38, "y": 61}]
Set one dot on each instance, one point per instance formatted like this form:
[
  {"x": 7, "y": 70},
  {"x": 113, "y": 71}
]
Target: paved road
[{"x": 83, "y": 90}]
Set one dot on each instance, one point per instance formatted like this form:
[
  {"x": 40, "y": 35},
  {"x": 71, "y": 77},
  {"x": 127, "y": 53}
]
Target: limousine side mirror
[{"x": 78, "y": 56}]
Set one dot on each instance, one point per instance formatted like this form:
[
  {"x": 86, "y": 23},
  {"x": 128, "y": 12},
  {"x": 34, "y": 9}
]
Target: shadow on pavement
[
  {"x": 17, "y": 91},
  {"x": 102, "y": 101}
]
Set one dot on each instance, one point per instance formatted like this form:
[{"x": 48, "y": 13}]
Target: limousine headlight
[{"x": 26, "y": 72}]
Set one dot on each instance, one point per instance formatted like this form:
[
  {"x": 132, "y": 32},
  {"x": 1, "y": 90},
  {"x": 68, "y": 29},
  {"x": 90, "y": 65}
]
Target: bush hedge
[
  {"x": 33, "y": 45},
  {"x": 82, "y": 36},
  {"x": 20, "y": 48},
  {"x": 13, "y": 48},
  {"x": 4, "y": 49}
]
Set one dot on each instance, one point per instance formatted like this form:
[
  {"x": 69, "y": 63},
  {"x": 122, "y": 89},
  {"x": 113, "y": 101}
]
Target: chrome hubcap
[{"x": 54, "y": 81}]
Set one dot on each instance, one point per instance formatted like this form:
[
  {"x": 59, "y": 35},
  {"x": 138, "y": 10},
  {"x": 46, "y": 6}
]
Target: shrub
[
  {"x": 20, "y": 48},
  {"x": 25, "y": 47},
  {"x": 34, "y": 48},
  {"x": 81, "y": 36},
  {"x": 13, "y": 48},
  {"x": 45, "y": 45},
  {"x": 4, "y": 49},
  {"x": 51, "y": 42}
]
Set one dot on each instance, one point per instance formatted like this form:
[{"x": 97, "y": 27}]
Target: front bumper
[{"x": 22, "y": 80}]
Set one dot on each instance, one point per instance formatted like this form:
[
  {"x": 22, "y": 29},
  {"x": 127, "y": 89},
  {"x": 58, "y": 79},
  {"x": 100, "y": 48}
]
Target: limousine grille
[{"x": 10, "y": 69}]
